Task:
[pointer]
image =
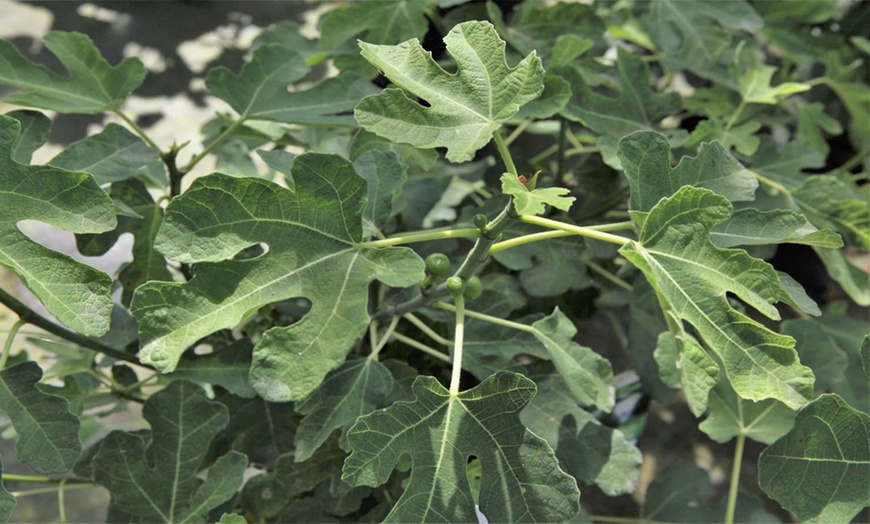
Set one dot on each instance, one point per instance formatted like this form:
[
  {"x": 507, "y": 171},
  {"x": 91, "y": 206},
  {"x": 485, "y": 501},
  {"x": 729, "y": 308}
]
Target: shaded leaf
[
  {"x": 261, "y": 430},
  {"x": 796, "y": 296},
  {"x": 409, "y": 155},
  {"x": 376, "y": 21},
  {"x": 227, "y": 367},
  {"x": 259, "y": 91},
  {"x": 644, "y": 157},
  {"x": 521, "y": 479},
  {"x": 589, "y": 451},
  {"x": 830, "y": 202},
  {"x": 7, "y": 500},
  {"x": 465, "y": 108},
  {"x": 692, "y": 278},
  {"x": 741, "y": 137},
  {"x": 637, "y": 107},
  {"x": 854, "y": 280},
  {"x": 820, "y": 470},
  {"x": 646, "y": 324},
  {"x": 311, "y": 233},
  {"x": 534, "y": 201},
  {"x": 48, "y": 439},
  {"x": 730, "y": 416},
  {"x": 354, "y": 389},
  {"x": 684, "y": 363},
  {"x": 753, "y": 82},
  {"x": 385, "y": 176},
  {"x": 35, "y": 130},
  {"x": 76, "y": 294},
  {"x": 92, "y": 85},
  {"x": 112, "y": 155},
  {"x": 588, "y": 375},
  {"x": 158, "y": 481}
]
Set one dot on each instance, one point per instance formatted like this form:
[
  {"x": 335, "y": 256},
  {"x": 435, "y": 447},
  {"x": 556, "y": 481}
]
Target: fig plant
[{"x": 469, "y": 295}]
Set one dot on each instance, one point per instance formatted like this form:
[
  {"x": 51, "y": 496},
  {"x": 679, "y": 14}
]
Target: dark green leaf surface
[
  {"x": 112, "y": 155},
  {"x": 521, "y": 479},
  {"x": 92, "y": 85},
  {"x": 158, "y": 481},
  {"x": 465, "y": 108},
  {"x": 311, "y": 234},
  {"x": 692, "y": 277},
  {"x": 7, "y": 500},
  {"x": 589, "y": 451},
  {"x": 259, "y": 91},
  {"x": 385, "y": 176},
  {"x": 48, "y": 439},
  {"x": 645, "y": 160},
  {"x": 354, "y": 389},
  {"x": 35, "y": 129},
  {"x": 820, "y": 470},
  {"x": 751, "y": 227},
  {"x": 227, "y": 367},
  {"x": 375, "y": 21},
  {"x": 76, "y": 294}
]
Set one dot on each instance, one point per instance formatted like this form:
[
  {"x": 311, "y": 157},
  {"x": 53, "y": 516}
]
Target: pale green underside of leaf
[
  {"x": 465, "y": 108},
  {"x": 76, "y": 294},
  {"x": 684, "y": 363},
  {"x": 48, "y": 439},
  {"x": 112, "y": 155},
  {"x": 521, "y": 479},
  {"x": 751, "y": 227},
  {"x": 157, "y": 481},
  {"x": 534, "y": 202},
  {"x": 731, "y": 415},
  {"x": 754, "y": 86},
  {"x": 692, "y": 276},
  {"x": 93, "y": 86},
  {"x": 820, "y": 470},
  {"x": 311, "y": 235},
  {"x": 259, "y": 91}
]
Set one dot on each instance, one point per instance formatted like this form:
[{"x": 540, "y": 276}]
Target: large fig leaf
[
  {"x": 820, "y": 470},
  {"x": 155, "y": 478},
  {"x": 691, "y": 277},
  {"x": 465, "y": 107},
  {"x": 92, "y": 86},
  {"x": 76, "y": 294},
  {"x": 311, "y": 234},
  {"x": 521, "y": 478}
]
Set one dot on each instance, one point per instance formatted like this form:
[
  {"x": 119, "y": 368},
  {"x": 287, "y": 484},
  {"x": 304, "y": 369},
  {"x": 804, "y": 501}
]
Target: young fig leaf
[{"x": 529, "y": 201}]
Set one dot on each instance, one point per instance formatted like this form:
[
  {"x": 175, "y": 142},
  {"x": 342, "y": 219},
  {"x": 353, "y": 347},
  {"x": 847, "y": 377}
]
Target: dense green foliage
[{"x": 476, "y": 291}]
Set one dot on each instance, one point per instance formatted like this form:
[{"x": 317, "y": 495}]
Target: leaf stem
[
  {"x": 457, "y": 343},
  {"x": 505, "y": 153},
  {"x": 488, "y": 318},
  {"x": 61, "y": 504},
  {"x": 138, "y": 130},
  {"x": 33, "y": 479},
  {"x": 384, "y": 338},
  {"x": 31, "y": 317},
  {"x": 577, "y": 230},
  {"x": 607, "y": 275},
  {"x": 545, "y": 235},
  {"x": 422, "y": 326},
  {"x": 735, "y": 478},
  {"x": 40, "y": 491},
  {"x": 517, "y": 132},
  {"x": 228, "y": 132},
  {"x": 7, "y": 346},
  {"x": 422, "y": 347},
  {"x": 770, "y": 183},
  {"x": 421, "y": 236},
  {"x": 735, "y": 115}
]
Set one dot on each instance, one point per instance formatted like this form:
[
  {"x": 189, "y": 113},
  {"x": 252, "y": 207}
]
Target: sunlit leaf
[
  {"x": 464, "y": 108},
  {"x": 76, "y": 294},
  {"x": 311, "y": 235},
  {"x": 35, "y": 129},
  {"x": 692, "y": 278},
  {"x": 751, "y": 227},
  {"x": 521, "y": 479},
  {"x": 155, "y": 479},
  {"x": 534, "y": 201},
  {"x": 753, "y": 82},
  {"x": 48, "y": 439},
  {"x": 92, "y": 85},
  {"x": 820, "y": 470}
]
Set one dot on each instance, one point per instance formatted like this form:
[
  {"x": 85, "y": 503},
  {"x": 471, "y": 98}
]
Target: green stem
[
  {"x": 31, "y": 317},
  {"x": 517, "y": 132},
  {"x": 856, "y": 159},
  {"x": 505, "y": 153},
  {"x": 608, "y": 275},
  {"x": 582, "y": 151},
  {"x": 770, "y": 183},
  {"x": 228, "y": 132},
  {"x": 457, "y": 343},
  {"x": 544, "y": 154},
  {"x": 61, "y": 505},
  {"x": 422, "y": 236},
  {"x": 488, "y": 318},
  {"x": 735, "y": 115},
  {"x": 138, "y": 130},
  {"x": 410, "y": 317},
  {"x": 422, "y": 347},
  {"x": 545, "y": 235},
  {"x": 578, "y": 230},
  {"x": 41, "y": 491},
  {"x": 735, "y": 478},
  {"x": 7, "y": 346},
  {"x": 560, "y": 158},
  {"x": 384, "y": 339},
  {"x": 33, "y": 479}
]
